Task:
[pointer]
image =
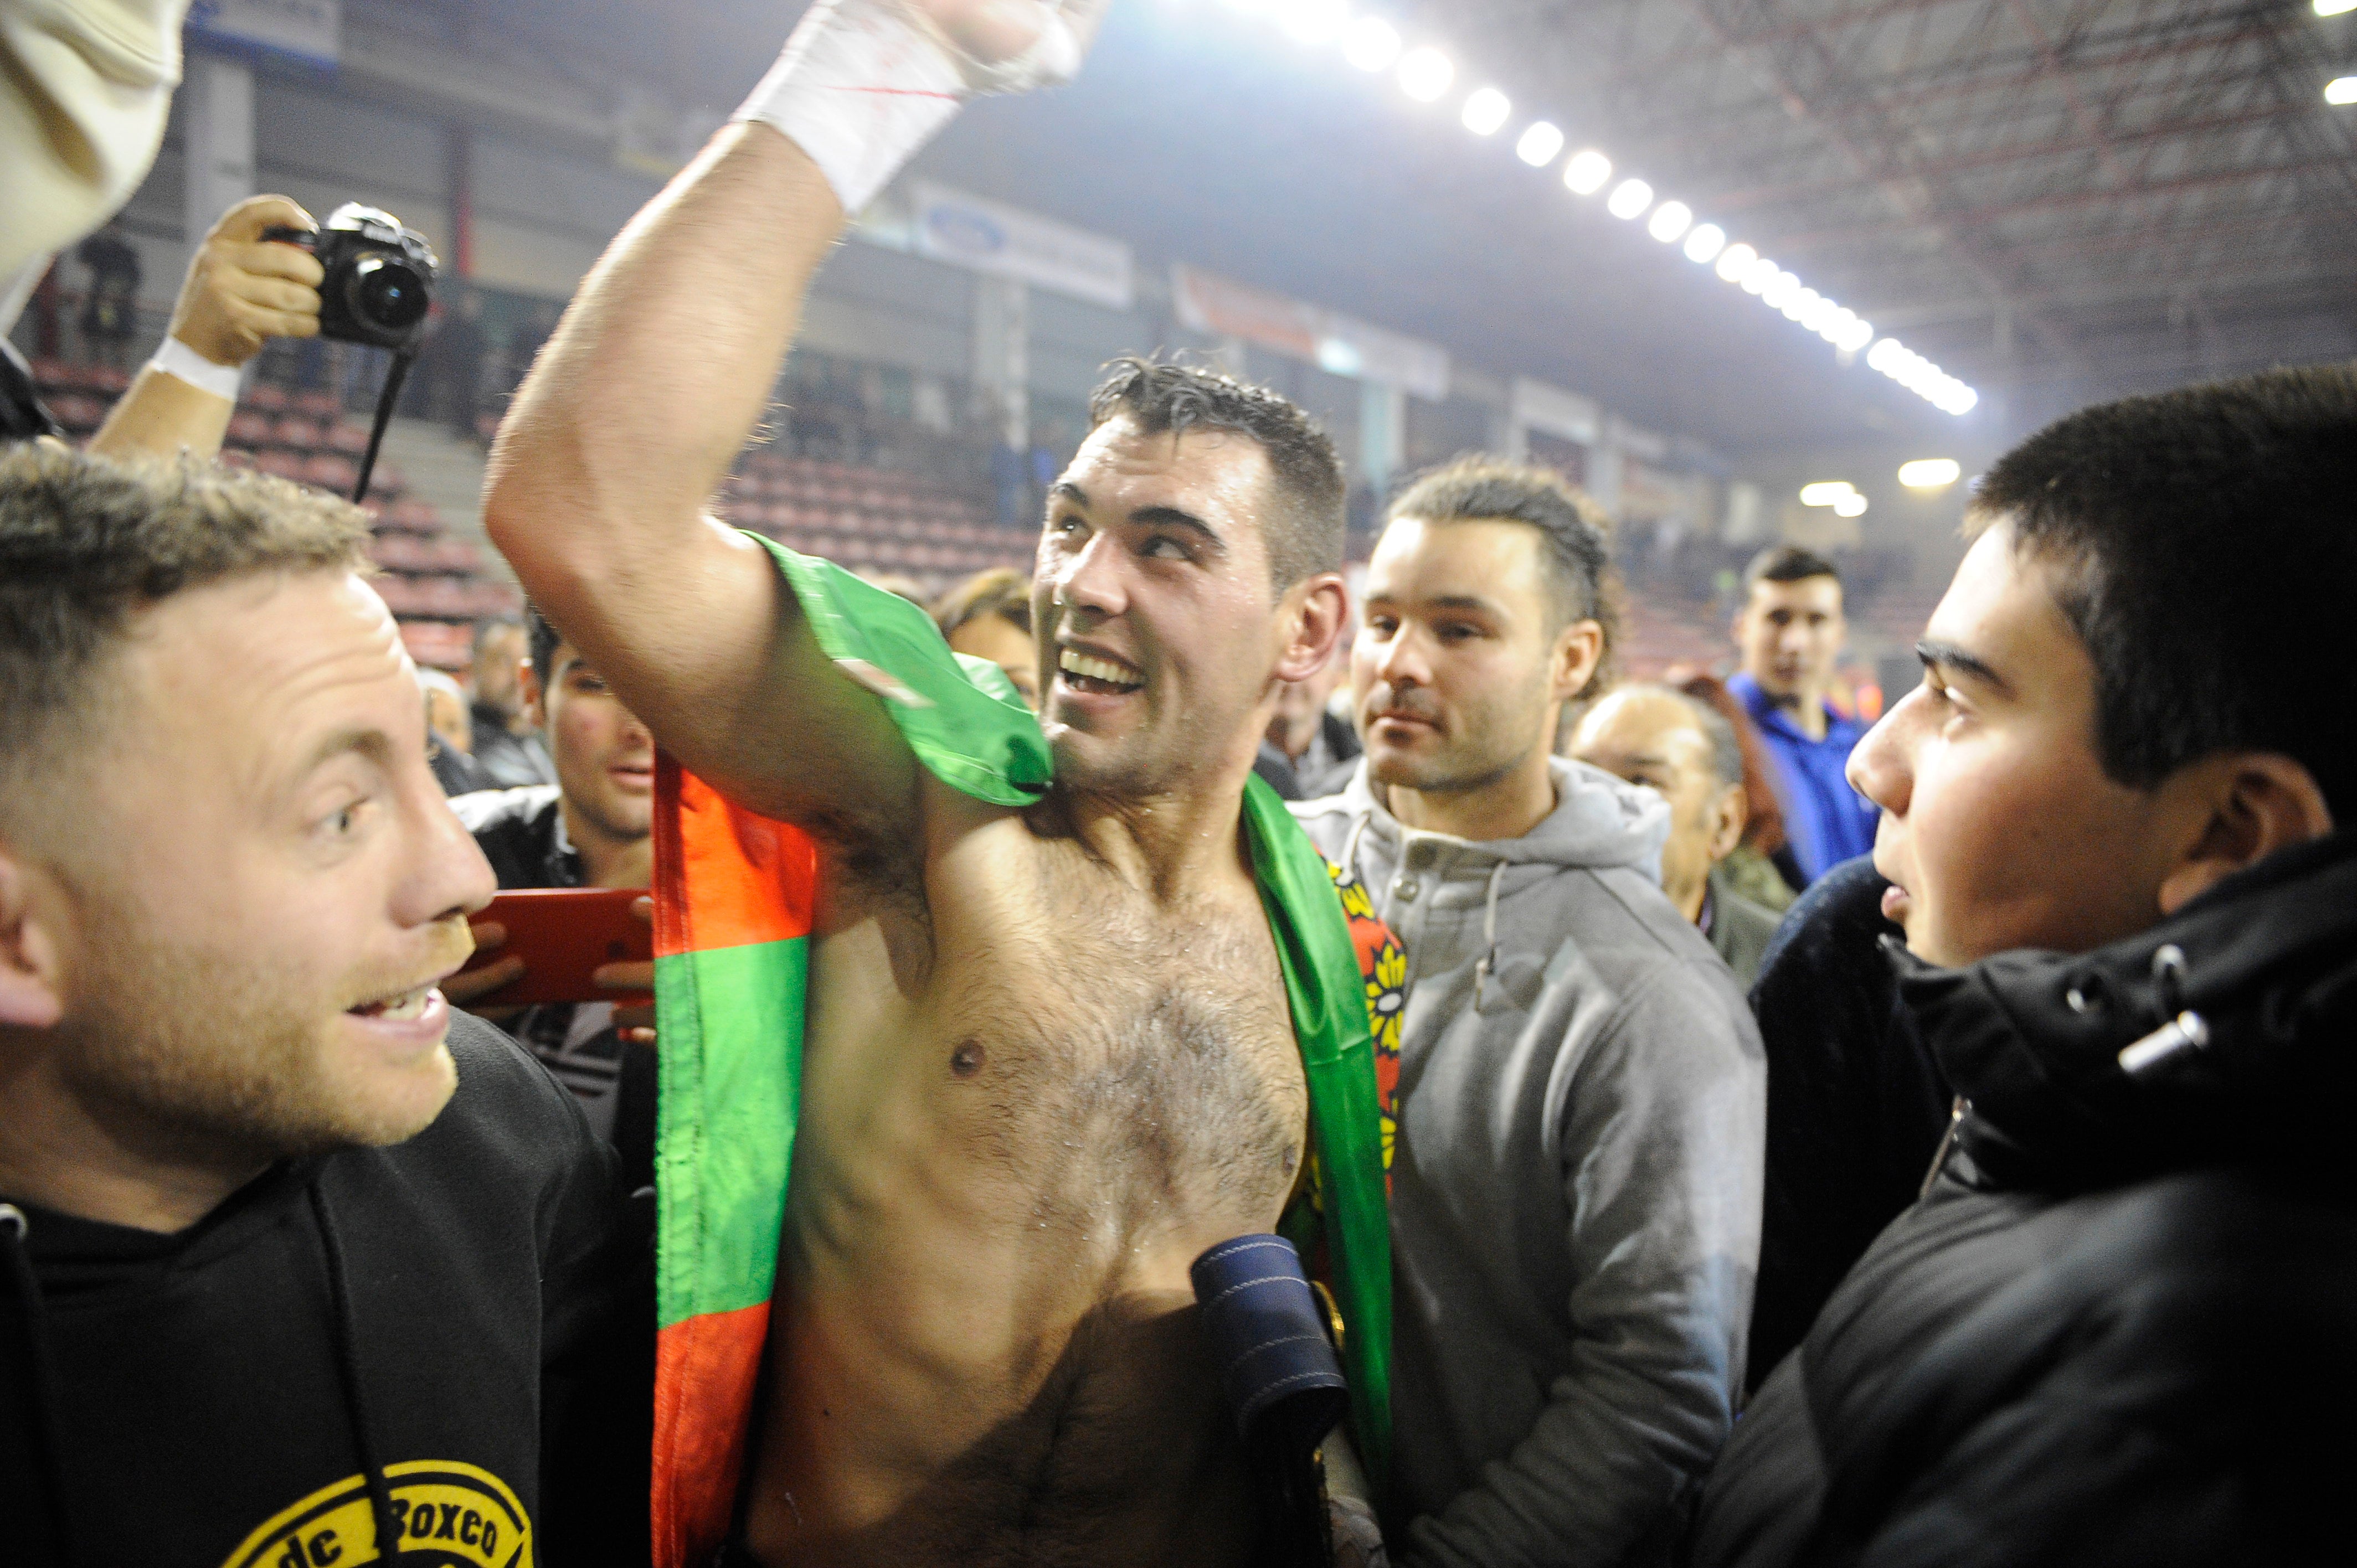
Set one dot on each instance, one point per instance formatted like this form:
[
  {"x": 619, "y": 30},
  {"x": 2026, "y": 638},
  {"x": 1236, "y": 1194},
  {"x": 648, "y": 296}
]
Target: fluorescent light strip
[{"x": 1427, "y": 74}]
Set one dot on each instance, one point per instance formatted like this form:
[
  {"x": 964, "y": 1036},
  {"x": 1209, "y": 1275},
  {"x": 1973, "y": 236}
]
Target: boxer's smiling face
[{"x": 1158, "y": 635}]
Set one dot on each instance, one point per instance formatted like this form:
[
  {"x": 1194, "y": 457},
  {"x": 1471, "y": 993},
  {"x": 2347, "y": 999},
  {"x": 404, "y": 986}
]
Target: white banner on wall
[
  {"x": 1208, "y": 303},
  {"x": 1007, "y": 242},
  {"x": 308, "y": 30}
]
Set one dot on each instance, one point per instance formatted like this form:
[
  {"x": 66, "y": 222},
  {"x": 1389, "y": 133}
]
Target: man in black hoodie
[
  {"x": 2121, "y": 1325},
  {"x": 295, "y": 1265}
]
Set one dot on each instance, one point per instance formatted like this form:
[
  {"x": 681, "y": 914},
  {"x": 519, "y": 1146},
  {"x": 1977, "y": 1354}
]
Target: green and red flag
[{"x": 734, "y": 895}]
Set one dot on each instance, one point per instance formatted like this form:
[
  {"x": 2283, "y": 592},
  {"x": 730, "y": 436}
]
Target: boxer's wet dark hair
[
  {"x": 1304, "y": 533},
  {"x": 2205, "y": 557}
]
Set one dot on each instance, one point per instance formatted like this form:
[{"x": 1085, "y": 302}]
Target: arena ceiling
[
  {"x": 2055, "y": 199},
  {"x": 2036, "y": 193}
]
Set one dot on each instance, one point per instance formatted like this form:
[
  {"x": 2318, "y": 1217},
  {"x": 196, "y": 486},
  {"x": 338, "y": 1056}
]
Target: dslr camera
[{"x": 380, "y": 276}]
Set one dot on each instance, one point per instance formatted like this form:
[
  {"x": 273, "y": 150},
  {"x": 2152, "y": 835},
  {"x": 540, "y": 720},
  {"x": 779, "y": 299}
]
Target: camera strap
[{"x": 394, "y": 376}]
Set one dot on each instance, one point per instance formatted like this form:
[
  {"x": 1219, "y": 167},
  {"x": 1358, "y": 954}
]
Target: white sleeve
[{"x": 84, "y": 92}]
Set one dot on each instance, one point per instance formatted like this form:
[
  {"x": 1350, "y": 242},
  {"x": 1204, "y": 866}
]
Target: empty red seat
[
  {"x": 330, "y": 471},
  {"x": 294, "y": 431},
  {"x": 439, "y": 644}
]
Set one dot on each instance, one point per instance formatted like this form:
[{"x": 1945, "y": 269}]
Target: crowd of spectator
[{"x": 1802, "y": 1139}]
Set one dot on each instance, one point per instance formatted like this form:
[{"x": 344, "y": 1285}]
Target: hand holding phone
[
  {"x": 485, "y": 972},
  {"x": 559, "y": 944}
]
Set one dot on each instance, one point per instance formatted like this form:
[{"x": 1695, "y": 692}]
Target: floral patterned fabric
[{"x": 1384, "y": 964}]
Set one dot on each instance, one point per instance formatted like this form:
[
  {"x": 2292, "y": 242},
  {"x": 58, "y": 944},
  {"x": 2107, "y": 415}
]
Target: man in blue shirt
[{"x": 1790, "y": 631}]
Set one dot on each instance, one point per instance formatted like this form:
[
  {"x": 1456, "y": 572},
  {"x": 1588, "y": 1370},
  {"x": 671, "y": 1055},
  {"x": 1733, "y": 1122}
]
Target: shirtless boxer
[{"x": 1049, "y": 1055}]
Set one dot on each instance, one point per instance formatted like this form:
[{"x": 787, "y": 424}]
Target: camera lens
[{"x": 387, "y": 293}]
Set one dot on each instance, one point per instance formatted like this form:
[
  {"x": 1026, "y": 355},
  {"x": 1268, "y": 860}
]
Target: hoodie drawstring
[
  {"x": 1351, "y": 845},
  {"x": 347, "y": 1367},
  {"x": 40, "y": 1374},
  {"x": 1488, "y": 964}
]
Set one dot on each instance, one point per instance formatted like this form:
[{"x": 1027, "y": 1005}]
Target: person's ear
[
  {"x": 1323, "y": 609},
  {"x": 1578, "y": 649},
  {"x": 2253, "y": 804},
  {"x": 528, "y": 690},
  {"x": 32, "y": 992},
  {"x": 1730, "y": 813}
]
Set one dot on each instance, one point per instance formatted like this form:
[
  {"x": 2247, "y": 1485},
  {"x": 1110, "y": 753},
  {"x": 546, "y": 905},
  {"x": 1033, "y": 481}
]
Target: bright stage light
[
  {"x": 1424, "y": 74},
  {"x": 1486, "y": 111},
  {"x": 1371, "y": 43},
  {"x": 1937, "y": 473},
  {"x": 1857, "y": 336},
  {"x": 1539, "y": 144},
  {"x": 1670, "y": 220},
  {"x": 1313, "y": 21},
  {"x": 1587, "y": 171},
  {"x": 1735, "y": 261},
  {"x": 1824, "y": 492},
  {"x": 1629, "y": 198},
  {"x": 1921, "y": 377},
  {"x": 2334, "y": 7},
  {"x": 1707, "y": 243},
  {"x": 2341, "y": 90},
  {"x": 1851, "y": 505},
  {"x": 1759, "y": 274},
  {"x": 1779, "y": 290},
  {"x": 1796, "y": 304}
]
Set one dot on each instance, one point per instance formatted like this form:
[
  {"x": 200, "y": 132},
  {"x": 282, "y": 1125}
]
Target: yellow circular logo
[{"x": 446, "y": 1515}]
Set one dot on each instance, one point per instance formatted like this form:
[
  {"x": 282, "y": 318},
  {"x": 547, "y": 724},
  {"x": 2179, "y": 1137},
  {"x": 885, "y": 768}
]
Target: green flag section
[
  {"x": 733, "y": 899},
  {"x": 1329, "y": 993},
  {"x": 734, "y": 894}
]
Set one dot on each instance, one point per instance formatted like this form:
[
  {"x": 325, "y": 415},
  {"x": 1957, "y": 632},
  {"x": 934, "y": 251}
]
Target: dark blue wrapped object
[{"x": 1283, "y": 1385}]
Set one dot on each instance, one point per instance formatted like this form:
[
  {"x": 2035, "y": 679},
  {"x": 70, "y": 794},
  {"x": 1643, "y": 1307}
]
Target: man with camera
[{"x": 239, "y": 293}]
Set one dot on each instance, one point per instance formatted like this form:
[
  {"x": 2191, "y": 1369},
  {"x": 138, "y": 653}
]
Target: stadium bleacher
[
  {"x": 868, "y": 519},
  {"x": 864, "y": 517},
  {"x": 434, "y": 584}
]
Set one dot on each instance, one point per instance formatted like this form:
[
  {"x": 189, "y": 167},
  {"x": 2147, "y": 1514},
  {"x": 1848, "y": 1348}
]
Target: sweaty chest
[{"x": 1132, "y": 1072}]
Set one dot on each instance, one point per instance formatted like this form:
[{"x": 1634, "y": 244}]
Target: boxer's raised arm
[
  {"x": 641, "y": 401},
  {"x": 603, "y": 469}
]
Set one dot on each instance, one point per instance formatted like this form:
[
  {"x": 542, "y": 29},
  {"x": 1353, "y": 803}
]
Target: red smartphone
[{"x": 563, "y": 935}]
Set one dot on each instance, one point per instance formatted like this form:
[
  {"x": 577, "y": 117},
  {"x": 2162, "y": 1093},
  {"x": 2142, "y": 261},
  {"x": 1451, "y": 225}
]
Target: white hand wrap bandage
[
  {"x": 864, "y": 84},
  {"x": 182, "y": 363}
]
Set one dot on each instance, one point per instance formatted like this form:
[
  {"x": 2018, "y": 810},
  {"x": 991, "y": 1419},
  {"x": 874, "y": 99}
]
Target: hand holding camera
[
  {"x": 240, "y": 291},
  {"x": 376, "y": 278}
]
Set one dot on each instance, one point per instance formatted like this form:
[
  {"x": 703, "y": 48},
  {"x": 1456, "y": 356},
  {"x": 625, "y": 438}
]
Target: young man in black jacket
[
  {"x": 295, "y": 1266},
  {"x": 593, "y": 828},
  {"x": 2121, "y": 1325}
]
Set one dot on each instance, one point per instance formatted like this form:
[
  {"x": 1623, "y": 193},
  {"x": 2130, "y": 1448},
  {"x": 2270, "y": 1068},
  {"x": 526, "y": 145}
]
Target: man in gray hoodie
[{"x": 1576, "y": 1188}]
